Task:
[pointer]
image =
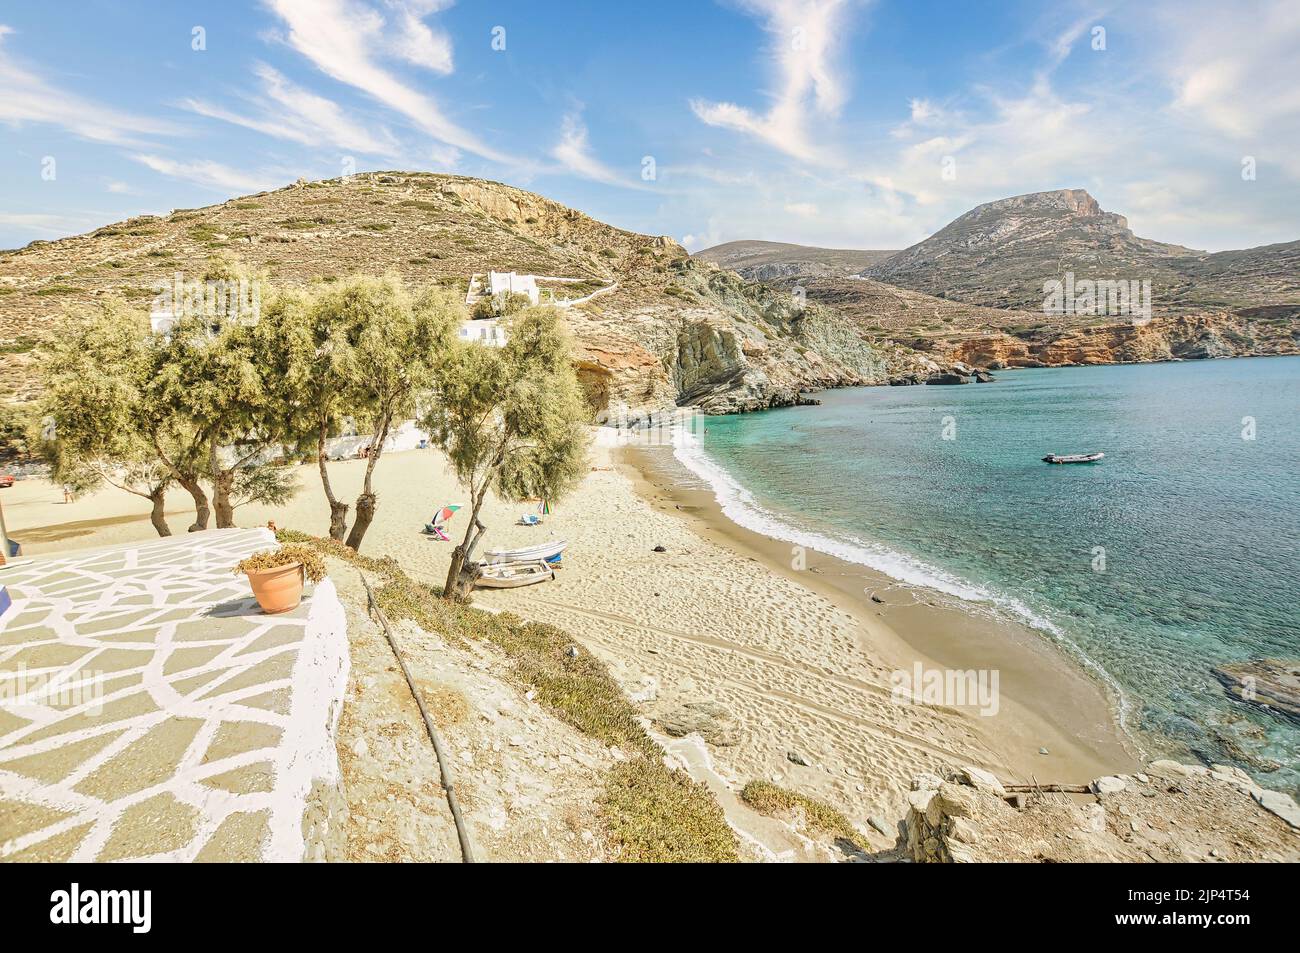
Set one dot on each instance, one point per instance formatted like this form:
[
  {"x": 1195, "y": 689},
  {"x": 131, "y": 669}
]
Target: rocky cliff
[
  {"x": 1170, "y": 813},
  {"x": 1266, "y": 331}
]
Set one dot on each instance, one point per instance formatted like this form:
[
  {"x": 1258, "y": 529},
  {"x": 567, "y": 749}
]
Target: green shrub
[{"x": 820, "y": 817}]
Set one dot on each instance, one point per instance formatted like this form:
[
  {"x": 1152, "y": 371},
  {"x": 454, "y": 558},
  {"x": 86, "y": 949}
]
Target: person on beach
[{"x": 67, "y": 493}]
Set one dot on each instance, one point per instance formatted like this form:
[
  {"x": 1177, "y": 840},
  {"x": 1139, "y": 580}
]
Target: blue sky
[{"x": 845, "y": 123}]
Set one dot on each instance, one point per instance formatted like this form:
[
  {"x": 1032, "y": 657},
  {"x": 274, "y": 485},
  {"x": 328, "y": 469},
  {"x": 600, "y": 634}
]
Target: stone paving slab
[{"x": 149, "y": 710}]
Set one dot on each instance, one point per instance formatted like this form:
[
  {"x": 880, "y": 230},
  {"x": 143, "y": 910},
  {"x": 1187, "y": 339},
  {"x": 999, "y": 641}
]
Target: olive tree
[
  {"x": 511, "y": 421},
  {"x": 211, "y": 372},
  {"x": 95, "y": 423},
  {"x": 362, "y": 348}
]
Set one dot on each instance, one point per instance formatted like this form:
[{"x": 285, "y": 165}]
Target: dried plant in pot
[{"x": 277, "y": 575}]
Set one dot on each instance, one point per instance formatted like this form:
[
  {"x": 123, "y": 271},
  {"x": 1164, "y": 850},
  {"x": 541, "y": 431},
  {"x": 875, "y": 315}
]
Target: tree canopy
[
  {"x": 510, "y": 420},
  {"x": 361, "y": 348}
]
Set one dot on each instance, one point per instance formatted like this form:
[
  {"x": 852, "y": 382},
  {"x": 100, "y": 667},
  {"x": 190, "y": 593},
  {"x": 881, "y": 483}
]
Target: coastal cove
[
  {"x": 1054, "y": 723},
  {"x": 1173, "y": 555}
]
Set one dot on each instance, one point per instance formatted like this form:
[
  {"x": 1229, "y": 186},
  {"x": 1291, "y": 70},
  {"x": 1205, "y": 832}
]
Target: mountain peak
[
  {"x": 1076, "y": 202},
  {"x": 1000, "y": 253}
]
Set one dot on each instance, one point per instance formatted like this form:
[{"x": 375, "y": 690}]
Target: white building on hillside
[
  {"x": 509, "y": 282},
  {"x": 488, "y": 331}
]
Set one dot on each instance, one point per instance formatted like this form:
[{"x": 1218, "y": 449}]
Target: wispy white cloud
[
  {"x": 46, "y": 223},
  {"x": 27, "y": 97},
  {"x": 802, "y": 209},
  {"x": 806, "y": 37},
  {"x": 708, "y": 173},
  {"x": 209, "y": 174},
  {"x": 416, "y": 41},
  {"x": 575, "y": 155},
  {"x": 288, "y": 111},
  {"x": 348, "y": 40},
  {"x": 1235, "y": 69}
]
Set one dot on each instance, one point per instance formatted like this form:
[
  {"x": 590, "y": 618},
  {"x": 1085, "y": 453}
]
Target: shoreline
[
  {"x": 769, "y": 674},
  {"x": 1048, "y": 698}
]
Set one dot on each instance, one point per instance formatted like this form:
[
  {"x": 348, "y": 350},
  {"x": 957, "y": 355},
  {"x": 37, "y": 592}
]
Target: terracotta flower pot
[{"x": 278, "y": 589}]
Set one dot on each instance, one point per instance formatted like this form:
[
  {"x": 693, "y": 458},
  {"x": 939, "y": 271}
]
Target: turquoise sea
[{"x": 1177, "y": 552}]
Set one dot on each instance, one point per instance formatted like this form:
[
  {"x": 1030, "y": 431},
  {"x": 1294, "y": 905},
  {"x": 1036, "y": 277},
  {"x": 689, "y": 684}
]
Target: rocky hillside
[
  {"x": 664, "y": 328},
  {"x": 1001, "y": 253},
  {"x": 765, "y": 261}
]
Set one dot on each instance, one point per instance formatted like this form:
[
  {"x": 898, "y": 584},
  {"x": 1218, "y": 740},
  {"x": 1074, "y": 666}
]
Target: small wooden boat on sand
[
  {"x": 513, "y": 575},
  {"x": 1073, "y": 457},
  {"x": 546, "y": 552}
]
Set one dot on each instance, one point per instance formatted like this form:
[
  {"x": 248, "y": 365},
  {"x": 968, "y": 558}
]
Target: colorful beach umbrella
[
  {"x": 444, "y": 514},
  {"x": 545, "y": 508}
]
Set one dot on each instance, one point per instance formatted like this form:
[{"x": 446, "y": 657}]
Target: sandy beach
[{"x": 785, "y": 674}]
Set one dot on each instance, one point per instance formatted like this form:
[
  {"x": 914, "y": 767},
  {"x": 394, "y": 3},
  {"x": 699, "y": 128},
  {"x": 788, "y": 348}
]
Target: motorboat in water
[{"x": 1073, "y": 457}]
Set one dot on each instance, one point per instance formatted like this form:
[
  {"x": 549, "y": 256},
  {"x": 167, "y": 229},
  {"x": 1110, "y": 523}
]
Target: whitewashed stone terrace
[{"x": 150, "y": 711}]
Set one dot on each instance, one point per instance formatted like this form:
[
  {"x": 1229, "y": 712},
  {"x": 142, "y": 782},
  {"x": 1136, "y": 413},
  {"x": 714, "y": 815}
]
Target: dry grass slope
[{"x": 652, "y": 813}]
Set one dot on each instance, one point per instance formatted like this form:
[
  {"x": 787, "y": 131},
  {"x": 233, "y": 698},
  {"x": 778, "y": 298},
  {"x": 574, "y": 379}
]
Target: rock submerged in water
[{"x": 1271, "y": 684}]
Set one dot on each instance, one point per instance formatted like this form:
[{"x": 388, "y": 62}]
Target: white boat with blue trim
[{"x": 545, "y": 552}]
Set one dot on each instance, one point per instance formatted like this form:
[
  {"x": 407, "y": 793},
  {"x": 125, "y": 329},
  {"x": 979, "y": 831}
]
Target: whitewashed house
[
  {"x": 488, "y": 331},
  {"x": 509, "y": 282}
]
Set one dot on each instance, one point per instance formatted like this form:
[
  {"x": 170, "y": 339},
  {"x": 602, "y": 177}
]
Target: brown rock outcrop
[{"x": 1171, "y": 813}]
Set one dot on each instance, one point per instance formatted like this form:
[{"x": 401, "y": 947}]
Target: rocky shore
[{"x": 1170, "y": 813}]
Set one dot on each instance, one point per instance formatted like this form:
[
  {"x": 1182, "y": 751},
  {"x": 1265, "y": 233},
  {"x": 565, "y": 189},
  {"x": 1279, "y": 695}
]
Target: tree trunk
[
  {"x": 192, "y": 486},
  {"x": 367, "y": 501},
  {"x": 463, "y": 553},
  {"x": 221, "y": 505},
  {"x": 189, "y": 482},
  {"x": 365, "y": 513},
  {"x": 158, "y": 497},
  {"x": 338, "y": 520},
  {"x": 223, "y": 484},
  {"x": 338, "y": 510}
]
